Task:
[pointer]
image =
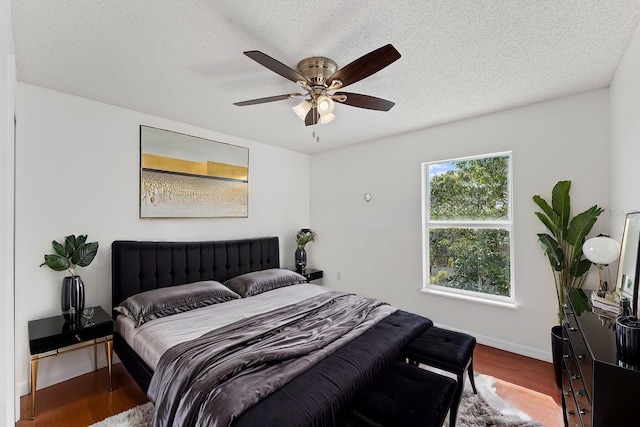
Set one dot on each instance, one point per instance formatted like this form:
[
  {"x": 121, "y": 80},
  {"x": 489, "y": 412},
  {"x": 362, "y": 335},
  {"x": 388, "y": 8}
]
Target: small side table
[
  {"x": 312, "y": 275},
  {"x": 48, "y": 337}
]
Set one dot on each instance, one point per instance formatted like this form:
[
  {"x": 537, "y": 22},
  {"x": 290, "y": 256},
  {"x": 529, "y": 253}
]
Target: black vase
[
  {"x": 556, "y": 352},
  {"x": 72, "y": 298},
  {"x": 628, "y": 340},
  {"x": 301, "y": 259}
]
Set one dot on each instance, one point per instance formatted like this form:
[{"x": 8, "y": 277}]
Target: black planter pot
[
  {"x": 301, "y": 259},
  {"x": 556, "y": 352},
  {"x": 72, "y": 298}
]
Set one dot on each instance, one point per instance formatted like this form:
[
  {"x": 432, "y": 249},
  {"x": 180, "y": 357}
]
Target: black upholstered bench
[
  {"x": 447, "y": 350},
  {"x": 404, "y": 395}
]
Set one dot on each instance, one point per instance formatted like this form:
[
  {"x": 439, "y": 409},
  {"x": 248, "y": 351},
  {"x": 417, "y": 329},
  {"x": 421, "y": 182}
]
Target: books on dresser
[{"x": 609, "y": 302}]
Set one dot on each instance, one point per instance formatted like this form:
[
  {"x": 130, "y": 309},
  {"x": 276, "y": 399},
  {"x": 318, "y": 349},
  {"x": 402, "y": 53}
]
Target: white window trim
[
  {"x": 469, "y": 296},
  {"x": 428, "y": 288}
]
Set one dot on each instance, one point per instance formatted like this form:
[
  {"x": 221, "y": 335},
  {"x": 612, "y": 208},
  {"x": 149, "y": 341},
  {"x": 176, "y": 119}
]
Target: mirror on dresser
[{"x": 628, "y": 271}]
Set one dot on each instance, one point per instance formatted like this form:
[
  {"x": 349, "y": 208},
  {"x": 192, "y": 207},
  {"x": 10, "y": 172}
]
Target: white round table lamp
[{"x": 601, "y": 251}]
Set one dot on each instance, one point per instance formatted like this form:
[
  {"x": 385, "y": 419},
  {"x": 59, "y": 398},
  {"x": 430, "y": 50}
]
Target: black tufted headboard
[{"x": 143, "y": 266}]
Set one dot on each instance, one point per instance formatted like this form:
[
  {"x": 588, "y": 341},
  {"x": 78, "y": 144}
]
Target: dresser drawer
[
  {"x": 579, "y": 351},
  {"x": 570, "y": 407},
  {"x": 584, "y": 363},
  {"x": 574, "y": 387}
]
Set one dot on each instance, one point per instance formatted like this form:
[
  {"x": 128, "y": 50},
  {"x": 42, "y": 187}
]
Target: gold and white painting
[{"x": 183, "y": 176}]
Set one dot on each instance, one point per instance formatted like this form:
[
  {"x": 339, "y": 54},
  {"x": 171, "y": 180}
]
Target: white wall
[
  {"x": 7, "y": 87},
  {"x": 625, "y": 135},
  {"x": 376, "y": 246},
  {"x": 77, "y": 171}
]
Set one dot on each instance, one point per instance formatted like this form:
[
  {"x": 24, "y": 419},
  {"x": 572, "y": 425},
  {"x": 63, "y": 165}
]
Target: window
[{"x": 467, "y": 229}]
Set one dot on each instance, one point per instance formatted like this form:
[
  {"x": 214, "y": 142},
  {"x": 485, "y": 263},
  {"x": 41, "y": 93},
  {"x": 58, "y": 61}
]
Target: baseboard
[{"x": 522, "y": 350}]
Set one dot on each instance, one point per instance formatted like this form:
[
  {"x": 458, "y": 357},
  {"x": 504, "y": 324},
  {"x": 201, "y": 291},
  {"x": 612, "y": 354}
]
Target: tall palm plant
[{"x": 563, "y": 246}]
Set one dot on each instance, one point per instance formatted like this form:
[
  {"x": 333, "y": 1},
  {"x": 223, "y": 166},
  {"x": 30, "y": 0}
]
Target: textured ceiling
[{"x": 183, "y": 59}]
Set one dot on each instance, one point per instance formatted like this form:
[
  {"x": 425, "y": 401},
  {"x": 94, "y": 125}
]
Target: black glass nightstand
[
  {"x": 312, "y": 275},
  {"x": 49, "y": 336}
]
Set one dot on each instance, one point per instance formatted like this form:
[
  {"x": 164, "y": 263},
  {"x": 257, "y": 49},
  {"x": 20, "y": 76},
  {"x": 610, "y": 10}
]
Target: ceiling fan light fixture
[
  {"x": 326, "y": 118},
  {"x": 302, "y": 109},
  {"x": 325, "y": 105}
]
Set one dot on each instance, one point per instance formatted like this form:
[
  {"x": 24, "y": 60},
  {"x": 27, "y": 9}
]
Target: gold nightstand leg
[
  {"x": 108, "y": 347},
  {"x": 34, "y": 381}
]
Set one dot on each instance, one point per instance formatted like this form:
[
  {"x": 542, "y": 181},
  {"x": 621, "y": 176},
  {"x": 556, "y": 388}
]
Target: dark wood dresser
[{"x": 598, "y": 390}]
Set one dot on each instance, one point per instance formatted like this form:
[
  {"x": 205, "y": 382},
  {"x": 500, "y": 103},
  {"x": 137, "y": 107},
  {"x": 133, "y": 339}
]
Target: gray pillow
[
  {"x": 261, "y": 281},
  {"x": 163, "y": 302}
]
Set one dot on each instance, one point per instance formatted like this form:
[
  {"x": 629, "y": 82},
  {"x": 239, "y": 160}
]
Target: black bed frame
[{"x": 142, "y": 266}]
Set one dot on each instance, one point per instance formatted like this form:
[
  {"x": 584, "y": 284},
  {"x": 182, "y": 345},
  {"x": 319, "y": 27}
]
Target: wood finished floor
[{"x": 527, "y": 383}]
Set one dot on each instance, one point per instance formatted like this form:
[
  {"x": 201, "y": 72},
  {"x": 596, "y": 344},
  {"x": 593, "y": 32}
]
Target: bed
[{"x": 268, "y": 386}]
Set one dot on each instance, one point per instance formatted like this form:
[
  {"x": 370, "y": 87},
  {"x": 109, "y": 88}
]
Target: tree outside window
[{"x": 467, "y": 226}]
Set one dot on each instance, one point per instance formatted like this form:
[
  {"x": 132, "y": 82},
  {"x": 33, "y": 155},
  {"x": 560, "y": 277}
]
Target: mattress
[{"x": 153, "y": 338}]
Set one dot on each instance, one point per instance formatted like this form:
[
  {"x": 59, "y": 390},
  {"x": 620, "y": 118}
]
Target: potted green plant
[
  {"x": 563, "y": 247},
  {"x": 303, "y": 237},
  {"x": 75, "y": 252}
]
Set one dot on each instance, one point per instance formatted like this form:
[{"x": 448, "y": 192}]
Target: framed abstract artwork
[{"x": 183, "y": 176}]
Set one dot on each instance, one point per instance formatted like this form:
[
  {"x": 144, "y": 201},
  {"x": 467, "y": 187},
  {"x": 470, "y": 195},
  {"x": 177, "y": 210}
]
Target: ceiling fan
[{"x": 322, "y": 79}]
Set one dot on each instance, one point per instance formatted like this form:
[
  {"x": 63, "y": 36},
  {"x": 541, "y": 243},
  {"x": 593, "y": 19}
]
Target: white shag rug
[
  {"x": 486, "y": 409},
  {"x": 140, "y": 416}
]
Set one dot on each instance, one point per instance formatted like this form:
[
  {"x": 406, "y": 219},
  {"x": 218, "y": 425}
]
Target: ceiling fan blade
[
  {"x": 267, "y": 99},
  {"x": 275, "y": 66},
  {"x": 312, "y": 117},
  {"x": 365, "y": 66},
  {"x": 365, "y": 101}
]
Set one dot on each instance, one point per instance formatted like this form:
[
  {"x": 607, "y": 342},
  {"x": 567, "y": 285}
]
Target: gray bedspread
[{"x": 211, "y": 380}]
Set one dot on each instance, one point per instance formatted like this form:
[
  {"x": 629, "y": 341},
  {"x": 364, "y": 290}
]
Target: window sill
[{"x": 503, "y": 304}]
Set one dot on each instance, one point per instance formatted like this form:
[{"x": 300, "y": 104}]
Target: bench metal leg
[
  {"x": 456, "y": 401},
  {"x": 471, "y": 377}
]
